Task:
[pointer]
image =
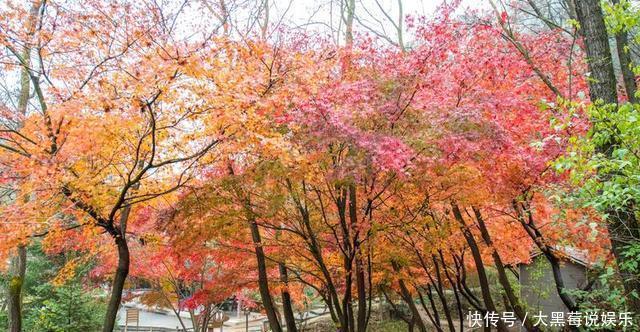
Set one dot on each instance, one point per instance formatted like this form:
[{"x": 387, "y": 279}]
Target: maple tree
[{"x": 219, "y": 164}]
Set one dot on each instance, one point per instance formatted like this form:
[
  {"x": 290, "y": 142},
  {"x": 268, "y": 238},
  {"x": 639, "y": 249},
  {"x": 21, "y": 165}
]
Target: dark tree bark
[
  {"x": 526, "y": 220},
  {"x": 408, "y": 298},
  {"x": 263, "y": 278},
  {"x": 359, "y": 269},
  {"x": 287, "y": 308},
  {"x": 461, "y": 280},
  {"x": 362, "y": 295},
  {"x": 407, "y": 319},
  {"x": 263, "y": 282},
  {"x": 455, "y": 290},
  {"x": 435, "y": 321},
  {"x": 511, "y": 296},
  {"x": 443, "y": 299},
  {"x": 310, "y": 237},
  {"x": 477, "y": 258},
  {"x": 621, "y": 223},
  {"x": 122, "y": 271},
  {"x": 432, "y": 303}
]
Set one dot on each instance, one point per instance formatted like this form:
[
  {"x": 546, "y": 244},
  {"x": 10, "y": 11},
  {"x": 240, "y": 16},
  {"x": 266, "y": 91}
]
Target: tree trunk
[
  {"x": 406, "y": 295},
  {"x": 316, "y": 251},
  {"x": 16, "y": 281},
  {"x": 362, "y": 294},
  {"x": 434, "y": 321},
  {"x": 432, "y": 303},
  {"x": 477, "y": 258},
  {"x": 263, "y": 281},
  {"x": 461, "y": 280},
  {"x": 350, "y": 8},
  {"x": 622, "y": 225},
  {"x": 19, "y": 261},
  {"x": 287, "y": 308},
  {"x": 443, "y": 299},
  {"x": 347, "y": 307},
  {"x": 120, "y": 277},
  {"x": 512, "y": 298},
  {"x": 455, "y": 290},
  {"x": 602, "y": 80},
  {"x": 625, "y": 66},
  {"x": 629, "y": 78},
  {"x": 526, "y": 220},
  {"x": 360, "y": 274}
]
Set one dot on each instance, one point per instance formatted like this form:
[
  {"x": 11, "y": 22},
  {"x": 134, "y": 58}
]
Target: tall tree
[
  {"x": 621, "y": 221},
  {"x": 18, "y": 261}
]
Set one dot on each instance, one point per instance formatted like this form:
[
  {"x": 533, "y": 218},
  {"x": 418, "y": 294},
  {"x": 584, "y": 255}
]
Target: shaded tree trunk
[
  {"x": 263, "y": 282},
  {"x": 432, "y": 303},
  {"x": 406, "y": 295},
  {"x": 526, "y": 220},
  {"x": 455, "y": 290},
  {"x": 621, "y": 224},
  {"x": 434, "y": 320},
  {"x": 359, "y": 270},
  {"x": 348, "y": 15},
  {"x": 482, "y": 274},
  {"x": 333, "y": 301},
  {"x": 511, "y": 296},
  {"x": 409, "y": 320},
  {"x": 122, "y": 271},
  {"x": 287, "y": 308},
  {"x": 443, "y": 299},
  {"x": 362, "y": 295},
  {"x": 602, "y": 82},
  {"x": 461, "y": 280}
]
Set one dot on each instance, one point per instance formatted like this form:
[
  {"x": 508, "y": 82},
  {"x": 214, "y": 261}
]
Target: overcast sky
[
  {"x": 372, "y": 13},
  {"x": 323, "y": 16}
]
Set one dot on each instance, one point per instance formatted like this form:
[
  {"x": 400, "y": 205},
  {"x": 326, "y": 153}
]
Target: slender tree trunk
[
  {"x": 263, "y": 282},
  {"x": 434, "y": 321},
  {"x": 432, "y": 303},
  {"x": 287, "y": 308},
  {"x": 477, "y": 258},
  {"x": 370, "y": 285},
  {"x": 362, "y": 294},
  {"x": 512, "y": 298},
  {"x": 408, "y": 298},
  {"x": 443, "y": 299},
  {"x": 411, "y": 325},
  {"x": 348, "y": 15},
  {"x": 19, "y": 261},
  {"x": 332, "y": 312},
  {"x": 263, "y": 279},
  {"x": 629, "y": 78},
  {"x": 359, "y": 269},
  {"x": 526, "y": 220},
  {"x": 348, "y": 321},
  {"x": 122, "y": 271},
  {"x": 316, "y": 252},
  {"x": 347, "y": 307},
  {"x": 408, "y": 320},
  {"x": 437, "y": 285},
  {"x": 455, "y": 290},
  {"x": 461, "y": 280}
]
